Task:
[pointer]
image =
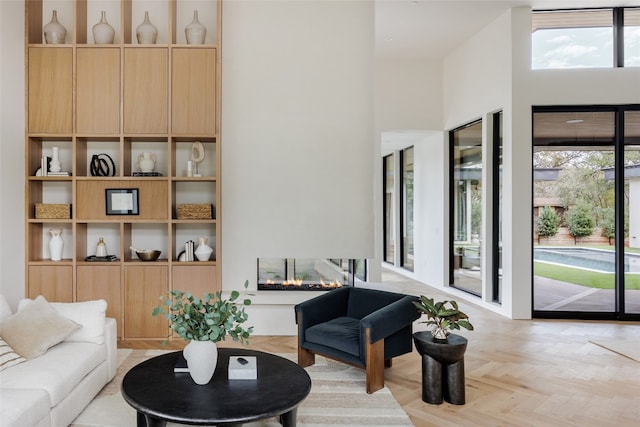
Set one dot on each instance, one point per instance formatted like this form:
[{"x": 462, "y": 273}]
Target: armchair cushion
[{"x": 341, "y": 333}]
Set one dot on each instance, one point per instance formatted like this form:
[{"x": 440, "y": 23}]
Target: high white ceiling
[{"x": 429, "y": 29}]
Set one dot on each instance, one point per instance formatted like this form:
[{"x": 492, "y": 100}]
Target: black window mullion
[
  {"x": 619, "y": 217},
  {"x": 618, "y": 37}
]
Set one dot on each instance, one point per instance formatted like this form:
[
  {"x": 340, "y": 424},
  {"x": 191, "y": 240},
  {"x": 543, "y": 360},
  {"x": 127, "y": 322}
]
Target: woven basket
[
  {"x": 53, "y": 211},
  {"x": 194, "y": 211}
]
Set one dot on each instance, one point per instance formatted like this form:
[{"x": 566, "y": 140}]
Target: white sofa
[{"x": 52, "y": 389}]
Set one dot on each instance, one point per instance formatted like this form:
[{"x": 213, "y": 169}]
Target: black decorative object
[
  {"x": 102, "y": 165},
  {"x": 122, "y": 201},
  {"x": 442, "y": 367}
]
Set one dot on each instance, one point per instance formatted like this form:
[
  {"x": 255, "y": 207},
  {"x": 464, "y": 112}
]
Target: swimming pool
[{"x": 592, "y": 259}]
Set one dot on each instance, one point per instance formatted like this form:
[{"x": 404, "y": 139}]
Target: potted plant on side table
[
  {"x": 203, "y": 322},
  {"x": 442, "y": 352}
]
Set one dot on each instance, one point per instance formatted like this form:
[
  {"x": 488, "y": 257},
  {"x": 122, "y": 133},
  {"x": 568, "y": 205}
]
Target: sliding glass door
[
  {"x": 586, "y": 254},
  {"x": 629, "y": 294}
]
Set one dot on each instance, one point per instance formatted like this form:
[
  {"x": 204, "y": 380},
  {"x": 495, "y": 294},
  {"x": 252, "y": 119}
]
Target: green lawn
[{"x": 578, "y": 276}]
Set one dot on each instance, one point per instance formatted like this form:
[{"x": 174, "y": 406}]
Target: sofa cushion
[
  {"x": 58, "y": 371},
  {"x": 35, "y": 328},
  {"x": 5, "y": 309},
  {"x": 23, "y": 407},
  {"x": 8, "y": 357},
  {"x": 89, "y": 314},
  {"x": 341, "y": 333}
]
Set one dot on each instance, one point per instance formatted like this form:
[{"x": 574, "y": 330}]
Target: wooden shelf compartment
[
  {"x": 182, "y": 232},
  {"x": 107, "y": 148},
  {"x": 38, "y": 240},
  {"x": 48, "y": 190},
  {"x": 145, "y": 235},
  {"x": 181, "y": 151},
  {"x": 197, "y": 192},
  {"x": 88, "y": 235},
  {"x": 134, "y": 147},
  {"x": 40, "y": 146}
]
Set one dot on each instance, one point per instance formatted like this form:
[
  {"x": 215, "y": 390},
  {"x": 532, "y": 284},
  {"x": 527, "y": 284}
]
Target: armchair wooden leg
[
  {"x": 305, "y": 357},
  {"x": 375, "y": 364}
]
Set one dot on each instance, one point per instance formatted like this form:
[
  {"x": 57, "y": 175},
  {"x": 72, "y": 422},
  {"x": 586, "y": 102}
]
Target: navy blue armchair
[{"x": 360, "y": 326}]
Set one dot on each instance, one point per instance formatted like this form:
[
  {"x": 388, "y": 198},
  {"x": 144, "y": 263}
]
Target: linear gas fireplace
[{"x": 300, "y": 274}]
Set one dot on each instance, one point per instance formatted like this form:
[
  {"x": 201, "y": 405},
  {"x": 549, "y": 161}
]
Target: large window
[
  {"x": 466, "y": 207},
  {"x": 497, "y": 209},
  {"x": 587, "y": 38},
  {"x": 407, "y": 254},
  {"x": 388, "y": 185},
  {"x": 632, "y": 38}
]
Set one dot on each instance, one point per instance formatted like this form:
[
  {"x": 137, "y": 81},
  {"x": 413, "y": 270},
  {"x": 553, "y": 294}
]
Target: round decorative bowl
[{"x": 148, "y": 255}]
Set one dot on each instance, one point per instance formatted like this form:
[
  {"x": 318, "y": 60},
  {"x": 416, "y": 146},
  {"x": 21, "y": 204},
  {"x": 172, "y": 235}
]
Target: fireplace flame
[{"x": 300, "y": 283}]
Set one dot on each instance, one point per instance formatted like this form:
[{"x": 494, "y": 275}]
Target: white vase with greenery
[{"x": 203, "y": 322}]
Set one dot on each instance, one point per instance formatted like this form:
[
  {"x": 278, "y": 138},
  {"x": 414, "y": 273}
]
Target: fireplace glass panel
[{"x": 308, "y": 273}]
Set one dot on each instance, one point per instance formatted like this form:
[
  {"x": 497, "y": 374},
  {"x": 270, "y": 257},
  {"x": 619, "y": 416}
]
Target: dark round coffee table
[{"x": 160, "y": 395}]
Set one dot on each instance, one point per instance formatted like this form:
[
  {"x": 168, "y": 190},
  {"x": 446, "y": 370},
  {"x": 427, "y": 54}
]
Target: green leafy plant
[
  {"x": 441, "y": 317},
  {"x": 211, "y": 318}
]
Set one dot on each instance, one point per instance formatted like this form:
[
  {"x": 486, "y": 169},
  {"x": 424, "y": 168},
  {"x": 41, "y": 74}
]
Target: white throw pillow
[
  {"x": 36, "y": 328},
  {"x": 90, "y": 314},
  {"x": 5, "y": 309},
  {"x": 8, "y": 357}
]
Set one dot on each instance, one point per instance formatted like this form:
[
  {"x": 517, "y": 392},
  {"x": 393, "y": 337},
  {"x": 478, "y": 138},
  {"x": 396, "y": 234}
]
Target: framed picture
[{"x": 122, "y": 201}]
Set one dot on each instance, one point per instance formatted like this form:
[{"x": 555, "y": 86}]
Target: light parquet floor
[{"x": 518, "y": 372}]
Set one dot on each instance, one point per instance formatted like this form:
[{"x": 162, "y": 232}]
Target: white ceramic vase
[
  {"x": 202, "y": 358},
  {"x": 203, "y": 251},
  {"x": 54, "y": 31},
  {"x": 55, "y": 244},
  {"x": 147, "y": 162},
  {"x": 146, "y": 33},
  {"x": 103, "y": 33},
  {"x": 55, "y": 165},
  {"x": 195, "y": 32}
]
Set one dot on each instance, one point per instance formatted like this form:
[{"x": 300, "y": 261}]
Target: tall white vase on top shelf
[
  {"x": 103, "y": 33},
  {"x": 195, "y": 32},
  {"x": 146, "y": 33},
  {"x": 54, "y": 31}
]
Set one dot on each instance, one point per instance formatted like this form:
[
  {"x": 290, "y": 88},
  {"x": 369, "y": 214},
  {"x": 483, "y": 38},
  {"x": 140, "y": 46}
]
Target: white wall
[
  {"x": 408, "y": 108},
  {"x": 297, "y": 138},
  {"x": 12, "y": 216}
]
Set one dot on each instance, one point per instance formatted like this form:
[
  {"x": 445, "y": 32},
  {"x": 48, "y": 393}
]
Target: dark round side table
[
  {"x": 442, "y": 367},
  {"x": 160, "y": 395}
]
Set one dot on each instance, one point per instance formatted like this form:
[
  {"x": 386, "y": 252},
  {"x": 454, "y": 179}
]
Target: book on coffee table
[{"x": 181, "y": 364}]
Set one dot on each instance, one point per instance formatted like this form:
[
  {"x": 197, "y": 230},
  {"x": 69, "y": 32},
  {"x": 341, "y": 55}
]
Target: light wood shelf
[{"x": 117, "y": 101}]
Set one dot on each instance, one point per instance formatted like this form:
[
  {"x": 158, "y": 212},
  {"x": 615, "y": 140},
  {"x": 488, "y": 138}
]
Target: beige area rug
[
  {"x": 337, "y": 397},
  {"x": 626, "y": 348}
]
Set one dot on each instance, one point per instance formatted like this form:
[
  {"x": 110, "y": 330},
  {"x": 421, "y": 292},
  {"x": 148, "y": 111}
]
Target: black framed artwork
[{"x": 122, "y": 201}]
